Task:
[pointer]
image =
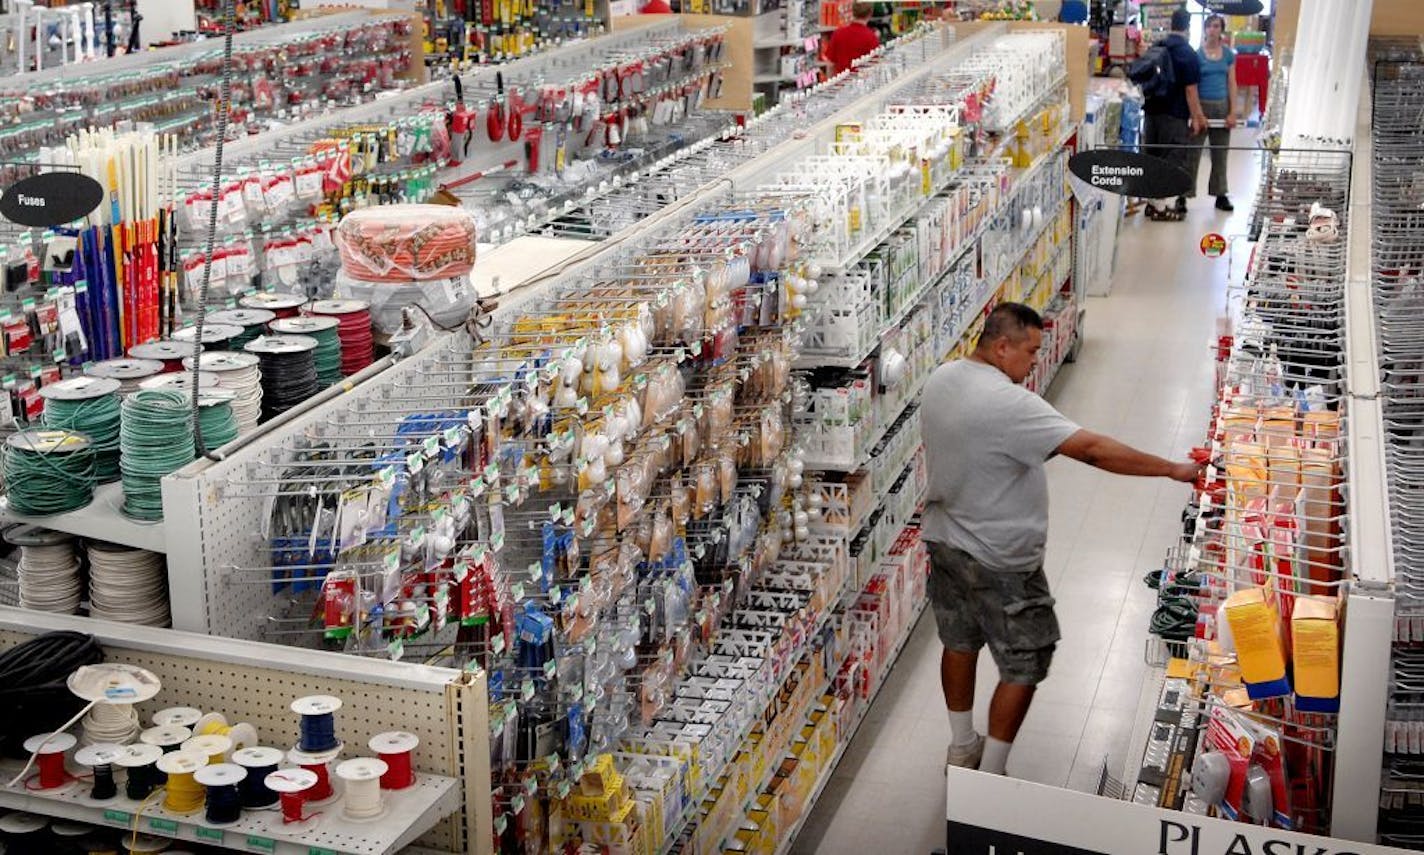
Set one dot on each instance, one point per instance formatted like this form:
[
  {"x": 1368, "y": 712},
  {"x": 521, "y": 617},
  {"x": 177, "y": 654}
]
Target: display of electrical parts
[{"x": 196, "y": 775}]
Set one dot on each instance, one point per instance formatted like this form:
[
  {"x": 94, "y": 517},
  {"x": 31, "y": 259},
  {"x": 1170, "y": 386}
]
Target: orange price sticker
[{"x": 1213, "y": 245}]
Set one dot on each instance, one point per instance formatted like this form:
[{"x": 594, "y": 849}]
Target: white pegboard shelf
[
  {"x": 408, "y": 814},
  {"x": 101, "y": 519}
]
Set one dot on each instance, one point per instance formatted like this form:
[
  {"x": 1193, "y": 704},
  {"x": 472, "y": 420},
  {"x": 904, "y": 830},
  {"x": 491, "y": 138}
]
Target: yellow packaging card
[
  {"x": 1256, "y": 628},
  {"x": 1315, "y": 646}
]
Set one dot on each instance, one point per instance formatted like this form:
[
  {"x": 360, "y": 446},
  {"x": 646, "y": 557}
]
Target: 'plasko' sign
[
  {"x": 995, "y": 815},
  {"x": 1129, "y": 173}
]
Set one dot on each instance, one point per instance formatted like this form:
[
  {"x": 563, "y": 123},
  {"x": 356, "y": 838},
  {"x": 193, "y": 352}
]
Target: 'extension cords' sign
[
  {"x": 1234, "y": 7},
  {"x": 996, "y": 815},
  {"x": 1129, "y": 173},
  {"x": 50, "y": 199}
]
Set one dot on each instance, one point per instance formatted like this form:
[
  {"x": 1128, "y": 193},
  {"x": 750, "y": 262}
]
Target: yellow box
[
  {"x": 1256, "y": 628},
  {"x": 1315, "y": 652}
]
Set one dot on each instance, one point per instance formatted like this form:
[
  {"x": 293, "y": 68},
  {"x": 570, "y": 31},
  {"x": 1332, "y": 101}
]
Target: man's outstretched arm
[{"x": 1108, "y": 454}]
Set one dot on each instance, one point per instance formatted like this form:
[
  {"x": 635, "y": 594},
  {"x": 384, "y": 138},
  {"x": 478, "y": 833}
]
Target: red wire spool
[
  {"x": 406, "y": 243},
  {"x": 354, "y": 329}
]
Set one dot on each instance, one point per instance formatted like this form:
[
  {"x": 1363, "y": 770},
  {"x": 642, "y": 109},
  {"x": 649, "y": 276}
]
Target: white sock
[
  {"x": 996, "y": 756},
  {"x": 961, "y": 726}
]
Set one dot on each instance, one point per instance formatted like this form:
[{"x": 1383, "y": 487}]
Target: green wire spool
[
  {"x": 328, "y": 343},
  {"x": 88, "y": 405},
  {"x": 251, "y": 321},
  {"x": 155, "y": 439},
  {"x": 216, "y": 421},
  {"x": 49, "y": 472}
]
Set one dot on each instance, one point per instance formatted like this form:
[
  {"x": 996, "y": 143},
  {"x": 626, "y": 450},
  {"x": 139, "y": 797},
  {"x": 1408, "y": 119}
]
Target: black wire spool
[
  {"x": 252, "y": 322},
  {"x": 34, "y": 695},
  {"x": 289, "y": 376}
]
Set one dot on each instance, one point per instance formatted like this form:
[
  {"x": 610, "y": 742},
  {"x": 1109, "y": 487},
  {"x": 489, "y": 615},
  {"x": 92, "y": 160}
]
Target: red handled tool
[
  {"x": 533, "y": 141},
  {"x": 461, "y": 120},
  {"x": 495, "y": 119}
]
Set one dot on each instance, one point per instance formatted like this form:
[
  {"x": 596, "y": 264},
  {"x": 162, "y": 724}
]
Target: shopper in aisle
[
  {"x": 986, "y": 523},
  {"x": 852, "y": 41},
  {"x": 1173, "y": 117},
  {"x": 1217, "y": 92}
]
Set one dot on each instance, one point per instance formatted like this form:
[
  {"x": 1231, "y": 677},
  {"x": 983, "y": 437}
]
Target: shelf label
[
  {"x": 212, "y": 834},
  {"x": 317, "y": 850},
  {"x": 261, "y": 844},
  {"x": 118, "y": 816},
  {"x": 163, "y": 826}
]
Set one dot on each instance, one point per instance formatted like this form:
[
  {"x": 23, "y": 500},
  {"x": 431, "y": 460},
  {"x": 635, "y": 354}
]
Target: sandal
[{"x": 1165, "y": 215}]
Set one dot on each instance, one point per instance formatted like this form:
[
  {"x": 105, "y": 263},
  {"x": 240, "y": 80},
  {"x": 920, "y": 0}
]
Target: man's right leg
[
  {"x": 1023, "y": 637},
  {"x": 951, "y": 595}
]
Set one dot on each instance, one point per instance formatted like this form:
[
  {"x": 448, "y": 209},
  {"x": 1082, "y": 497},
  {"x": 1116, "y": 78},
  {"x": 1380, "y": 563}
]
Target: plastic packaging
[
  {"x": 403, "y": 243},
  {"x": 447, "y": 301}
]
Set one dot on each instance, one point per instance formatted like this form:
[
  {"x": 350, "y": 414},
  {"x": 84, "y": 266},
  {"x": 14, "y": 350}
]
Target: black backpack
[{"x": 1153, "y": 72}]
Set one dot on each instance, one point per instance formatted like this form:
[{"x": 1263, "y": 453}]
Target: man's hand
[
  {"x": 1230, "y": 120},
  {"x": 1198, "y": 124},
  {"x": 1186, "y": 472}
]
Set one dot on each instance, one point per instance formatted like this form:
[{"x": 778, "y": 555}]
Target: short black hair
[
  {"x": 1011, "y": 321},
  {"x": 1181, "y": 21}
]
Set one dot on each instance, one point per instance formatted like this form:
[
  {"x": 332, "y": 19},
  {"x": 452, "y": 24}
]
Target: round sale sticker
[{"x": 1213, "y": 245}]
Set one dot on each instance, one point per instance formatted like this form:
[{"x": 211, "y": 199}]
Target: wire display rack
[{"x": 1397, "y": 274}]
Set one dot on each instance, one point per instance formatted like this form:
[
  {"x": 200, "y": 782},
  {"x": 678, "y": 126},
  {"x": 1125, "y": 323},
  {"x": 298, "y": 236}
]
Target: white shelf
[
  {"x": 774, "y": 78},
  {"x": 101, "y": 519},
  {"x": 409, "y": 814},
  {"x": 768, "y": 44},
  {"x": 827, "y": 773}
]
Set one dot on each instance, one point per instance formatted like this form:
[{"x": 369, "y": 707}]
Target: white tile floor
[{"x": 1144, "y": 376}]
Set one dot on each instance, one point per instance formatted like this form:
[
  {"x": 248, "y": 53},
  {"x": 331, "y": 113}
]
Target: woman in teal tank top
[{"x": 1217, "y": 91}]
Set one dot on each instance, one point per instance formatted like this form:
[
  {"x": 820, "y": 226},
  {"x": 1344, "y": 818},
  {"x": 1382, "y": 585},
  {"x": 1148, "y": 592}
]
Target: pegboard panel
[{"x": 261, "y": 694}]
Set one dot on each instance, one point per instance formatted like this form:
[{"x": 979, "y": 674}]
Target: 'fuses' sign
[{"x": 50, "y": 199}]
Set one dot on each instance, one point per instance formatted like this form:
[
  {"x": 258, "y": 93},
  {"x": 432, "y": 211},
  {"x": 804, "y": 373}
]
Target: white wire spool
[
  {"x": 145, "y": 844},
  {"x": 48, "y": 570},
  {"x": 239, "y": 373},
  {"x": 128, "y": 585},
  {"x": 113, "y": 688},
  {"x": 362, "y": 777},
  {"x": 182, "y": 381}
]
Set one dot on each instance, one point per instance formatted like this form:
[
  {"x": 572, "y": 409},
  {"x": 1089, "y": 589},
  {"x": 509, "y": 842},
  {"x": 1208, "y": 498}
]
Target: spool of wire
[
  {"x": 49, "y": 471},
  {"x": 127, "y": 585},
  {"x": 156, "y": 439},
  {"x": 293, "y": 787},
  {"x": 48, "y": 569},
  {"x": 24, "y": 834},
  {"x": 184, "y": 794},
  {"x": 328, "y": 343},
  {"x": 362, "y": 776},
  {"x": 318, "y": 725},
  {"x": 354, "y": 317},
  {"x": 166, "y": 738},
  {"x": 49, "y": 757},
  {"x": 177, "y": 717},
  {"x": 259, "y": 763},
  {"x": 167, "y": 351},
  {"x": 394, "y": 748},
  {"x": 88, "y": 405},
  {"x": 215, "y": 336},
  {"x": 140, "y": 761},
  {"x": 214, "y": 747},
  {"x": 183, "y": 382},
  {"x": 224, "y": 802},
  {"x": 316, "y": 764},
  {"x": 127, "y": 371},
  {"x": 69, "y": 837},
  {"x": 216, "y": 419},
  {"x": 288, "y": 364},
  {"x": 238, "y": 373},
  {"x": 253, "y": 323},
  {"x": 281, "y": 305},
  {"x": 100, "y": 759}
]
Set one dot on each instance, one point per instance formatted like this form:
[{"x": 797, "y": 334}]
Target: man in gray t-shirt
[{"x": 986, "y": 523}]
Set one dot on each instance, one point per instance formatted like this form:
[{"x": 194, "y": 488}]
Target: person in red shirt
[
  {"x": 852, "y": 41},
  {"x": 657, "y": 7}
]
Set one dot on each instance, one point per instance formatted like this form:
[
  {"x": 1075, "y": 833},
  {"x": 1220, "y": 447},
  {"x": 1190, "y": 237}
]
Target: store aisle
[{"x": 1144, "y": 376}]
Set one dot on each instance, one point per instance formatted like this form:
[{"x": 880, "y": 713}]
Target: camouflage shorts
[{"x": 1011, "y": 612}]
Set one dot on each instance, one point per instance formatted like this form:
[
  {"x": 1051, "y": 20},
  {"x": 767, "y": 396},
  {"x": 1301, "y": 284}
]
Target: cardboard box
[
  {"x": 1315, "y": 653},
  {"x": 1255, "y": 622}
]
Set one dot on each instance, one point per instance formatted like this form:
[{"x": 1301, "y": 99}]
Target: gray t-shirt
[{"x": 986, "y": 440}]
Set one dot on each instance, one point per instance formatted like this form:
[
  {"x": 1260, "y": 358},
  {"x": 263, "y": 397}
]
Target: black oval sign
[
  {"x": 50, "y": 199},
  {"x": 1129, "y": 173},
  {"x": 1234, "y": 7}
]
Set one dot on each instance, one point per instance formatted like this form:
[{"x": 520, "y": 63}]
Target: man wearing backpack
[{"x": 1168, "y": 74}]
